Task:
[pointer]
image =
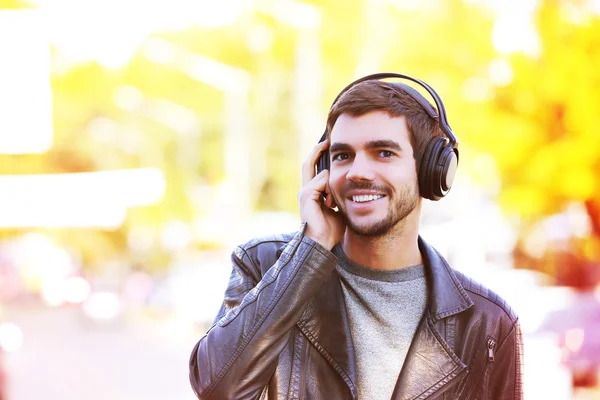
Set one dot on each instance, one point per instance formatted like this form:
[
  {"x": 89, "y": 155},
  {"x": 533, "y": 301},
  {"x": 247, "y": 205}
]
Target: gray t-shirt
[{"x": 384, "y": 309}]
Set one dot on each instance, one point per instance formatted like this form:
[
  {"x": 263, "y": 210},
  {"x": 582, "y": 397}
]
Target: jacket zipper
[
  {"x": 303, "y": 376},
  {"x": 491, "y": 347}
]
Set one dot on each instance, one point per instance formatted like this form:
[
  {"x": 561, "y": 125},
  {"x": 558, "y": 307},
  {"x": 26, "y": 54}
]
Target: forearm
[{"x": 237, "y": 357}]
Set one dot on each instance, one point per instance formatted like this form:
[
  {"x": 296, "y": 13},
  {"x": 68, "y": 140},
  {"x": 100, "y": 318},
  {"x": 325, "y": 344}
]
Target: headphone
[{"x": 440, "y": 159}]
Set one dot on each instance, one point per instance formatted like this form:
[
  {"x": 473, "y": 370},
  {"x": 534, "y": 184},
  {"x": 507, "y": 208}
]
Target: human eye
[
  {"x": 340, "y": 157},
  {"x": 386, "y": 154}
]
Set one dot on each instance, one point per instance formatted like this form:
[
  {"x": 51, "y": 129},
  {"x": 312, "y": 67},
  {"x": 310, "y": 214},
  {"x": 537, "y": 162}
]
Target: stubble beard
[{"x": 400, "y": 207}]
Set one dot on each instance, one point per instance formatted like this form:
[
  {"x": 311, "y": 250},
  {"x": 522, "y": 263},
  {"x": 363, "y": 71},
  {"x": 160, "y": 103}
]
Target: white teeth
[{"x": 362, "y": 199}]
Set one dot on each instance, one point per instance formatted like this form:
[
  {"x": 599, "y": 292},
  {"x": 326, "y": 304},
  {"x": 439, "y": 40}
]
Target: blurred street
[
  {"x": 66, "y": 357},
  {"x": 62, "y": 358}
]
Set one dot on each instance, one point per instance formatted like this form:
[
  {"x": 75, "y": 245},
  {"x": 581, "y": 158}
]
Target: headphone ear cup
[
  {"x": 437, "y": 170},
  {"x": 444, "y": 171},
  {"x": 323, "y": 162},
  {"x": 427, "y": 167}
]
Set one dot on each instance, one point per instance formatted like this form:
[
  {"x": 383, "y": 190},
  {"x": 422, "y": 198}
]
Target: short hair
[{"x": 376, "y": 95}]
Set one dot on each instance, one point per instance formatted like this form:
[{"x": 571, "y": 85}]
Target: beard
[{"x": 400, "y": 207}]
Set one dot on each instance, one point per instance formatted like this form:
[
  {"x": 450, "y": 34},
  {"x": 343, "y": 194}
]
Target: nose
[{"x": 360, "y": 170}]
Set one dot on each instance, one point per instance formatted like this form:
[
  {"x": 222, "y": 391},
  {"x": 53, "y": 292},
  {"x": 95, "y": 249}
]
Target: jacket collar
[
  {"x": 325, "y": 324},
  {"x": 446, "y": 294}
]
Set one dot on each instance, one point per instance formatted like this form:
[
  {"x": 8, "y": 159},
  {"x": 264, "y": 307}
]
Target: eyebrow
[{"x": 372, "y": 144}]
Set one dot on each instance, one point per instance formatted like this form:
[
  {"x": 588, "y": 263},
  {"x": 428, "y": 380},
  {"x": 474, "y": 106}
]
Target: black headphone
[{"x": 440, "y": 159}]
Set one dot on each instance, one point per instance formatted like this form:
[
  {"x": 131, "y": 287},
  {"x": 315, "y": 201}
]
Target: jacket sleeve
[
  {"x": 238, "y": 355},
  {"x": 506, "y": 375}
]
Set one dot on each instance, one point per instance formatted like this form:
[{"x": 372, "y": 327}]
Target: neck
[{"x": 396, "y": 249}]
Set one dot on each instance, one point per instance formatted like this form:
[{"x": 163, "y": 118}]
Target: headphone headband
[{"x": 442, "y": 119}]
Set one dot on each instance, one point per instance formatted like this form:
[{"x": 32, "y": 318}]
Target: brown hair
[{"x": 375, "y": 95}]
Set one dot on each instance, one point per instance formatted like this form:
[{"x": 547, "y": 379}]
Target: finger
[
  {"x": 308, "y": 168},
  {"x": 317, "y": 185},
  {"x": 329, "y": 200},
  {"x": 331, "y": 203}
]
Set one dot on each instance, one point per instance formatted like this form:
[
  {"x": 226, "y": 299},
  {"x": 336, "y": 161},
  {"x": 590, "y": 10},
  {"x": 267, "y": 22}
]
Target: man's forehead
[{"x": 376, "y": 125}]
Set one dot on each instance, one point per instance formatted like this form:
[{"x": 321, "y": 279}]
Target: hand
[{"x": 323, "y": 225}]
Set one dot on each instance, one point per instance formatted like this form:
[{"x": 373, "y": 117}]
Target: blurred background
[{"x": 141, "y": 140}]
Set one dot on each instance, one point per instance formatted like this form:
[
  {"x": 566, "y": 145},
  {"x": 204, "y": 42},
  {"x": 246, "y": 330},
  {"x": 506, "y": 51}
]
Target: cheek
[
  {"x": 400, "y": 177},
  {"x": 336, "y": 178},
  {"x": 405, "y": 170}
]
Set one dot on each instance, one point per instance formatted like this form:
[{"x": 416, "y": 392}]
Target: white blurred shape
[
  {"x": 76, "y": 289},
  {"x": 558, "y": 229},
  {"x": 176, "y": 236},
  {"x": 579, "y": 220},
  {"x": 513, "y": 6},
  {"x": 128, "y": 98},
  {"x": 52, "y": 292},
  {"x": 594, "y": 6},
  {"x": 212, "y": 14},
  {"x": 544, "y": 377},
  {"x": 196, "y": 284},
  {"x": 130, "y": 22},
  {"x": 477, "y": 89},
  {"x": 140, "y": 238},
  {"x": 93, "y": 41},
  {"x": 515, "y": 32},
  {"x": 175, "y": 116},
  {"x": 102, "y": 129},
  {"x": 500, "y": 72},
  {"x": 259, "y": 39},
  {"x": 298, "y": 14},
  {"x": 159, "y": 50},
  {"x": 57, "y": 215},
  {"x": 214, "y": 73},
  {"x": 11, "y": 337},
  {"x": 102, "y": 305},
  {"x": 536, "y": 243},
  {"x": 485, "y": 170},
  {"x": 574, "y": 339},
  {"x": 95, "y": 199},
  {"x": 138, "y": 287},
  {"x": 408, "y": 5},
  {"x": 25, "y": 93},
  {"x": 43, "y": 264}
]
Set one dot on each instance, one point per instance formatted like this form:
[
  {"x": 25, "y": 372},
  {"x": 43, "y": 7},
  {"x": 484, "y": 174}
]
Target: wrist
[{"x": 323, "y": 240}]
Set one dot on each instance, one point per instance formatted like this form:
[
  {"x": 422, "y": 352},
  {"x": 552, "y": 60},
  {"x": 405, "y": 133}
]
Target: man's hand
[{"x": 323, "y": 225}]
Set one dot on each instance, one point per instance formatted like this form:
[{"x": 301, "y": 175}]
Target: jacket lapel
[
  {"x": 431, "y": 365},
  {"x": 325, "y": 324}
]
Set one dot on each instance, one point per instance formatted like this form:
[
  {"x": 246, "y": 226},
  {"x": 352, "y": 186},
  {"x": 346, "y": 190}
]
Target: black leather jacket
[{"x": 283, "y": 333}]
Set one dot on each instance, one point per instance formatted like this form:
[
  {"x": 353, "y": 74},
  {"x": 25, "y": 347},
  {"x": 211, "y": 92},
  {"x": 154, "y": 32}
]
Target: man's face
[{"x": 373, "y": 176}]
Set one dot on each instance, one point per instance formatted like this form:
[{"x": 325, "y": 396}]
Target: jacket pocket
[{"x": 483, "y": 360}]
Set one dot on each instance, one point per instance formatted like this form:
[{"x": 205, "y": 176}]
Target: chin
[{"x": 371, "y": 229}]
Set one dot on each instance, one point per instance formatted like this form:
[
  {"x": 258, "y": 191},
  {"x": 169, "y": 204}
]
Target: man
[{"x": 356, "y": 304}]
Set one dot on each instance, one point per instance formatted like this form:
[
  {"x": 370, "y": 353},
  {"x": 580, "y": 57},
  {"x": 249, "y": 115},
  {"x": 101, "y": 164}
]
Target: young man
[{"x": 356, "y": 304}]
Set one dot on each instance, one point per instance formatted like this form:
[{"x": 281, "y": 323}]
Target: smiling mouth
[{"x": 366, "y": 198}]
